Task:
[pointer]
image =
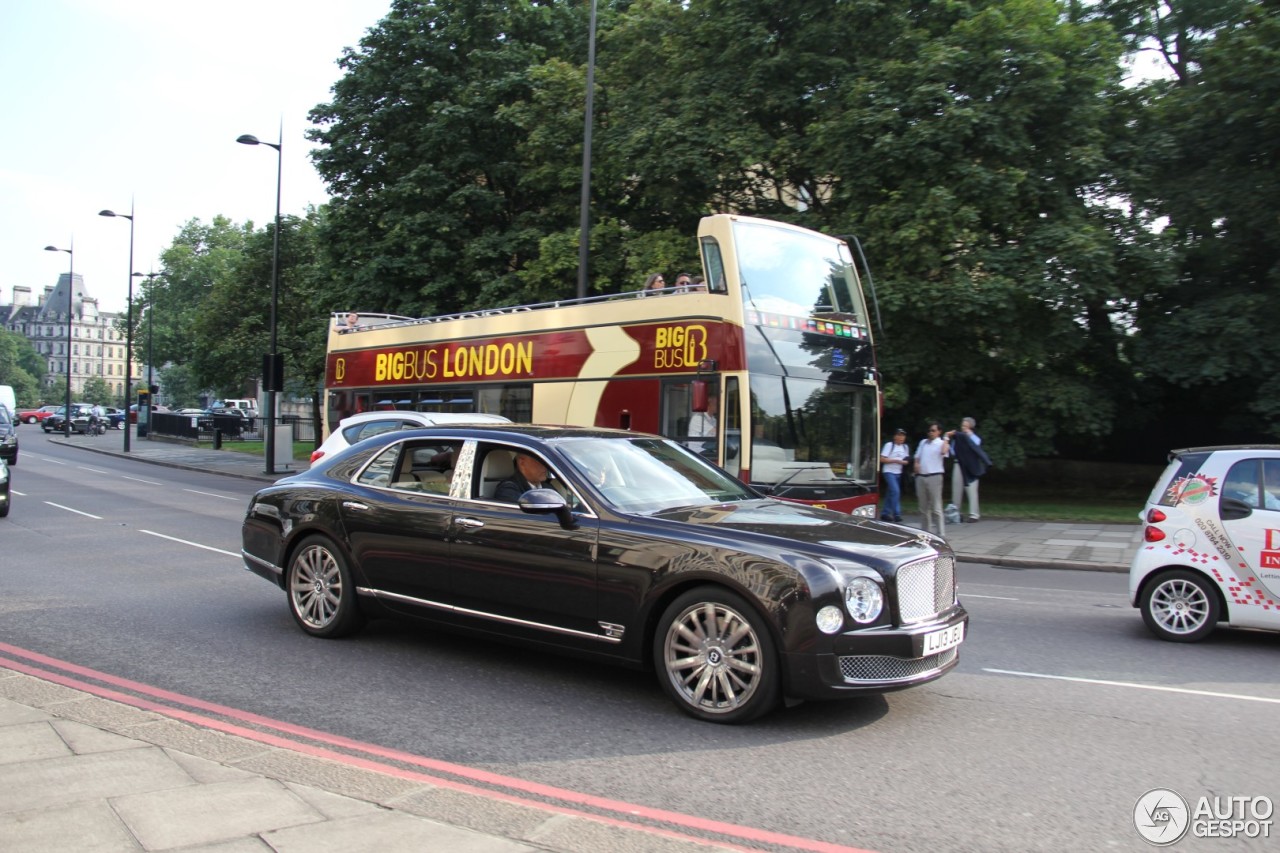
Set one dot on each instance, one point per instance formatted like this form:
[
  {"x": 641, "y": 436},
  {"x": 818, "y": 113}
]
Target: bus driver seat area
[{"x": 498, "y": 466}]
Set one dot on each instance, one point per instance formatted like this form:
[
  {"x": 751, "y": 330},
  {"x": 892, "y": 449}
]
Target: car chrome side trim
[
  {"x": 266, "y": 564},
  {"x": 495, "y": 617}
]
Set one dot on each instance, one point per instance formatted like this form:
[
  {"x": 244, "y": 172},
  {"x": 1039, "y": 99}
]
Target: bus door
[{"x": 691, "y": 414}]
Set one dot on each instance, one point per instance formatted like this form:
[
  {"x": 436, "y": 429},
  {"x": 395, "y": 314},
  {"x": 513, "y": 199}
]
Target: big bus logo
[
  {"x": 339, "y": 369},
  {"x": 679, "y": 346}
]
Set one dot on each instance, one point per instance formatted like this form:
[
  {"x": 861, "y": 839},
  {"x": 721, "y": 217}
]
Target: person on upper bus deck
[
  {"x": 698, "y": 285},
  {"x": 683, "y": 281},
  {"x": 654, "y": 285},
  {"x": 351, "y": 322}
]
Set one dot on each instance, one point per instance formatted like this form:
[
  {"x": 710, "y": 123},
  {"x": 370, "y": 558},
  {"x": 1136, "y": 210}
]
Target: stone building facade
[{"x": 97, "y": 347}]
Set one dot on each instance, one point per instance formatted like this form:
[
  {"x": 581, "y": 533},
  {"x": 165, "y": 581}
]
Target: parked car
[
  {"x": 1211, "y": 554},
  {"x": 246, "y": 418},
  {"x": 33, "y": 416},
  {"x": 156, "y": 409},
  {"x": 639, "y": 552},
  {"x": 79, "y": 419},
  {"x": 6, "y": 500},
  {"x": 8, "y": 437},
  {"x": 115, "y": 417},
  {"x": 366, "y": 424}
]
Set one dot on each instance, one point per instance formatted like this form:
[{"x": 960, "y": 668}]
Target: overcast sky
[{"x": 111, "y": 100}]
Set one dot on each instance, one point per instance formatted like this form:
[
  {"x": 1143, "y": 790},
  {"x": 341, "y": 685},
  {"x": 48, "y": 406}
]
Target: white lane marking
[
  {"x": 94, "y": 470},
  {"x": 19, "y": 494},
  {"x": 50, "y": 459},
  {"x": 76, "y": 511},
  {"x": 210, "y": 494},
  {"x": 136, "y": 480},
  {"x": 996, "y": 597},
  {"x": 1136, "y": 686},
  {"x": 189, "y": 542}
]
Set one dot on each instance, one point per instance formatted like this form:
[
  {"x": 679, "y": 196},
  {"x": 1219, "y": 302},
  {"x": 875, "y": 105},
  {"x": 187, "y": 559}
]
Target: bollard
[{"x": 217, "y": 439}]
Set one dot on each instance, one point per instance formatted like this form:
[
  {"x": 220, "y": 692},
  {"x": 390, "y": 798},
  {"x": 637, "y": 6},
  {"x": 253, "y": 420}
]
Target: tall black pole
[
  {"x": 128, "y": 349},
  {"x": 71, "y": 286},
  {"x": 271, "y": 370},
  {"x": 584, "y": 204}
]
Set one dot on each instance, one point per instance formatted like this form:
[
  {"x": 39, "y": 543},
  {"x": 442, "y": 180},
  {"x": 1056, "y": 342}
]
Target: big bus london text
[{"x": 769, "y": 371}]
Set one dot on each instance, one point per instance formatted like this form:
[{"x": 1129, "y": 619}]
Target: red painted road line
[{"x": 532, "y": 788}]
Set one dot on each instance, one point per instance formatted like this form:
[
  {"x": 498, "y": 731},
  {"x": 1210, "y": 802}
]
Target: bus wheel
[{"x": 715, "y": 657}]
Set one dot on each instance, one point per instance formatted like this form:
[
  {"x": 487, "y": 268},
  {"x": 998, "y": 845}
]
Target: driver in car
[{"x": 530, "y": 473}]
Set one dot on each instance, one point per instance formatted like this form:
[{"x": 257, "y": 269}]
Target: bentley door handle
[
  {"x": 354, "y": 505},
  {"x": 469, "y": 522}
]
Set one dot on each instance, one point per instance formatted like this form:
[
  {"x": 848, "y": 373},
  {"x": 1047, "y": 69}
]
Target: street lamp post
[
  {"x": 272, "y": 373},
  {"x": 71, "y": 287},
  {"x": 150, "y": 277},
  {"x": 128, "y": 349}
]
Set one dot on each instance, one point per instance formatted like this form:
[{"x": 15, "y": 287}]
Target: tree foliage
[
  {"x": 1059, "y": 251},
  {"x": 22, "y": 367}
]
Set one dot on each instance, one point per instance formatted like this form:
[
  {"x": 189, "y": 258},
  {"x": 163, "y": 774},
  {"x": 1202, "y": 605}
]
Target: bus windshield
[{"x": 797, "y": 273}]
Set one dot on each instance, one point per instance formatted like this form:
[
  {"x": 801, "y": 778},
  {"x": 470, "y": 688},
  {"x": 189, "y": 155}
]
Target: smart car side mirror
[
  {"x": 547, "y": 502},
  {"x": 1232, "y": 509}
]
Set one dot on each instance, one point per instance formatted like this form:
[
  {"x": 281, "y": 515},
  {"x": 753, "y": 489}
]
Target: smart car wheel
[
  {"x": 715, "y": 657},
  {"x": 322, "y": 597},
  {"x": 1180, "y": 606}
]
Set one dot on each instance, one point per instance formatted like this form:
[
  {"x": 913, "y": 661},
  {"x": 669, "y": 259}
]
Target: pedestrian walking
[
  {"x": 929, "y": 465},
  {"x": 893, "y": 457}
]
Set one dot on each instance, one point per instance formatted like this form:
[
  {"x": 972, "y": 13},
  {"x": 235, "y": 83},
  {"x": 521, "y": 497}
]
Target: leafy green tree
[
  {"x": 97, "y": 391},
  {"x": 22, "y": 367},
  {"x": 1205, "y": 342},
  {"x": 201, "y": 258},
  {"x": 181, "y": 389},
  {"x": 233, "y": 330},
  {"x": 433, "y": 202}
]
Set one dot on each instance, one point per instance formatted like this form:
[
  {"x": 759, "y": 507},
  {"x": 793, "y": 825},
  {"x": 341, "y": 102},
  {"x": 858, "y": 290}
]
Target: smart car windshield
[{"x": 648, "y": 475}]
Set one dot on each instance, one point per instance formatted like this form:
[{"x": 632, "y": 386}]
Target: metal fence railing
[{"x": 227, "y": 427}]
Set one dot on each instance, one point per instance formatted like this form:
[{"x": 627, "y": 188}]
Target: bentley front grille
[{"x": 926, "y": 588}]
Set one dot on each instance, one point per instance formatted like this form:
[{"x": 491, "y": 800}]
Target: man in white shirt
[
  {"x": 928, "y": 469},
  {"x": 703, "y": 425}
]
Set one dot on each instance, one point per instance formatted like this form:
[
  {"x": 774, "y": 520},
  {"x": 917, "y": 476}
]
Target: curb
[{"x": 1043, "y": 563}]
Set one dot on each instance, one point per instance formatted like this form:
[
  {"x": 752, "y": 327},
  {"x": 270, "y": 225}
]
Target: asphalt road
[{"x": 1063, "y": 711}]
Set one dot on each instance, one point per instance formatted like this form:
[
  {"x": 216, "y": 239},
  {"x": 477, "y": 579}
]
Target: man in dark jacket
[{"x": 971, "y": 462}]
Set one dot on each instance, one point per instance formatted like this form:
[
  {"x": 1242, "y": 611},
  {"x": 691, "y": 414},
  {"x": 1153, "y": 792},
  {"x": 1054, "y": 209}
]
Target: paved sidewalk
[
  {"x": 1028, "y": 544},
  {"x": 83, "y": 774}
]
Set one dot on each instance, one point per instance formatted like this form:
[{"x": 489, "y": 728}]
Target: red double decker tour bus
[{"x": 769, "y": 370}]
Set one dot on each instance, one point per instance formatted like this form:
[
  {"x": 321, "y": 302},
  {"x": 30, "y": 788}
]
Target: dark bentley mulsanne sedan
[{"x": 633, "y": 549}]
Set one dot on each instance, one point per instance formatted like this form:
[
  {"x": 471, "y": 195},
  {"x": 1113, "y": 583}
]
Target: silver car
[{"x": 368, "y": 424}]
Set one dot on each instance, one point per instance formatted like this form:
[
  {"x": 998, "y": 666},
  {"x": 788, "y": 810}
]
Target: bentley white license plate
[{"x": 947, "y": 638}]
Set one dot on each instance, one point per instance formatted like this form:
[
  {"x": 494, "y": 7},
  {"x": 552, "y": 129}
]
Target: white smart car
[
  {"x": 1211, "y": 553},
  {"x": 368, "y": 424}
]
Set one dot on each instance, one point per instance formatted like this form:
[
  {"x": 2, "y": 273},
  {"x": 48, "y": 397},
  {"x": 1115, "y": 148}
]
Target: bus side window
[{"x": 713, "y": 263}]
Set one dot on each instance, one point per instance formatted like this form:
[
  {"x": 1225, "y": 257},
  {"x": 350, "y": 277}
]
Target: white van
[
  {"x": 9, "y": 401},
  {"x": 246, "y": 406}
]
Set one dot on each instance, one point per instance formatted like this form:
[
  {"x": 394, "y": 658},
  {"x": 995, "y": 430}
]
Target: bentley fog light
[
  {"x": 863, "y": 599},
  {"x": 829, "y": 619}
]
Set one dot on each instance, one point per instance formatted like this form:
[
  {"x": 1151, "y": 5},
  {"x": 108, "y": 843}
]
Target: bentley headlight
[
  {"x": 863, "y": 599},
  {"x": 868, "y": 511}
]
